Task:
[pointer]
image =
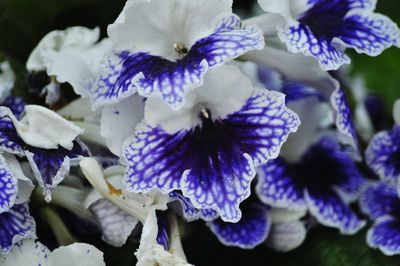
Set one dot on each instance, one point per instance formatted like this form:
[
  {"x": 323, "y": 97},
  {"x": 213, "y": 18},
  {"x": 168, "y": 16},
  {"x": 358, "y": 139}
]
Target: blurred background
[{"x": 24, "y": 22}]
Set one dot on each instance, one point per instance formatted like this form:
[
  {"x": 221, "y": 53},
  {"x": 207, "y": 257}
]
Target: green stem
[{"x": 60, "y": 231}]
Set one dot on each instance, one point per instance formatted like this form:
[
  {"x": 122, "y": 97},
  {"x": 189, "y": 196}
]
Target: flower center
[{"x": 180, "y": 49}]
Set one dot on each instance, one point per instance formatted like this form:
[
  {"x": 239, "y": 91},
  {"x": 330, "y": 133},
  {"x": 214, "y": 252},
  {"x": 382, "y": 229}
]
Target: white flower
[
  {"x": 7, "y": 79},
  {"x": 72, "y": 55},
  {"x": 31, "y": 253},
  {"x": 42, "y": 128}
]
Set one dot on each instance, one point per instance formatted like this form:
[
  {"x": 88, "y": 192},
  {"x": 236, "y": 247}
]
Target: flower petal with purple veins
[
  {"x": 125, "y": 73},
  {"x": 51, "y": 166},
  {"x": 383, "y": 153},
  {"x": 299, "y": 38},
  {"x": 385, "y": 235},
  {"x": 330, "y": 210},
  {"x": 250, "y": 231},
  {"x": 16, "y": 225},
  {"x": 276, "y": 186},
  {"x": 115, "y": 224},
  {"x": 344, "y": 120},
  {"x": 163, "y": 230},
  {"x": 326, "y": 27},
  {"x": 8, "y": 187},
  {"x": 380, "y": 199},
  {"x": 213, "y": 164},
  {"x": 189, "y": 212},
  {"x": 9, "y": 140},
  {"x": 369, "y": 33}
]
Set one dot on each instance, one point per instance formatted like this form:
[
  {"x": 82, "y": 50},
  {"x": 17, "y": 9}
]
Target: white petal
[
  {"x": 26, "y": 253},
  {"x": 43, "y": 128},
  {"x": 286, "y": 8},
  {"x": 80, "y": 109},
  {"x": 279, "y": 215},
  {"x": 396, "y": 112},
  {"x": 225, "y": 91},
  {"x": 154, "y": 26},
  {"x": 119, "y": 121},
  {"x": 25, "y": 185},
  {"x": 315, "y": 117},
  {"x": 285, "y": 237},
  {"x": 78, "y": 254},
  {"x": 295, "y": 67},
  {"x": 7, "y": 79},
  {"x": 77, "y": 66},
  {"x": 74, "y": 37}
]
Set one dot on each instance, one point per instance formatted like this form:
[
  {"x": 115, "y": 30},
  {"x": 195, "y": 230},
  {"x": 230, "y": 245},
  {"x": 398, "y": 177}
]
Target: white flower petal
[
  {"x": 26, "y": 253},
  {"x": 155, "y": 26},
  {"x": 224, "y": 92},
  {"x": 7, "y": 79},
  {"x": 119, "y": 121},
  {"x": 78, "y": 254},
  {"x": 285, "y": 237},
  {"x": 43, "y": 128}
]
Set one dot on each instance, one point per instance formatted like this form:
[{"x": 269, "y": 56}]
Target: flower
[
  {"x": 16, "y": 223},
  {"x": 280, "y": 229},
  {"x": 35, "y": 253},
  {"x": 382, "y": 152},
  {"x": 380, "y": 202},
  {"x": 72, "y": 55},
  {"x": 164, "y": 48},
  {"x": 323, "y": 28},
  {"x": 210, "y": 148},
  {"x": 7, "y": 79},
  {"x": 46, "y": 139},
  {"x": 324, "y": 181},
  {"x": 116, "y": 210}
]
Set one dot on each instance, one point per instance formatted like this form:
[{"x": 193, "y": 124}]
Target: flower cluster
[{"x": 186, "y": 112}]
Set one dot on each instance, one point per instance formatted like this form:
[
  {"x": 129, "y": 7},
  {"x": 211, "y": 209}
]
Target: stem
[
  {"x": 60, "y": 231},
  {"x": 92, "y": 132},
  {"x": 71, "y": 199},
  {"x": 176, "y": 247}
]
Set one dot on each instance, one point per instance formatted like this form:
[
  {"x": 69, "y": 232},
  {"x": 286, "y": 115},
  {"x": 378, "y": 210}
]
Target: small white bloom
[
  {"x": 31, "y": 253},
  {"x": 42, "y": 128}
]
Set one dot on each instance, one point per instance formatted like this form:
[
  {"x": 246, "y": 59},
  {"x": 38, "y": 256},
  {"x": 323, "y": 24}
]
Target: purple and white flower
[
  {"x": 381, "y": 203},
  {"x": 382, "y": 154},
  {"x": 163, "y": 48},
  {"x": 47, "y": 140},
  {"x": 209, "y": 148},
  {"x": 324, "y": 181},
  {"x": 324, "y": 28}
]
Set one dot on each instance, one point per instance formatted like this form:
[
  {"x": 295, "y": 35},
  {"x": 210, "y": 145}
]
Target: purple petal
[
  {"x": 213, "y": 164},
  {"x": 124, "y": 74},
  {"x": 385, "y": 235},
  {"x": 380, "y": 199},
  {"x": 344, "y": 119},
  {"x": 16, "y": 105},
  {"x": 295, "y": 91},
  {"x": 8, "y": 187},
  {"x": 276, "y": 186},
  {"x": 9, "y": 140},
  {"x": 115, "y": 224},
  {"x": 163, "y": 230},
  {"x": 189, "y": 212},
  {"x": 51, "y": 166},
  {"x": 15, "y": 225},
  {"x": 299, "y": 38},
  {"x": 330, "y": 210},
  {"x": 369, "y": 33},
  {"x": 249, "y": 232},
  {"x": 383, "y": 152}
]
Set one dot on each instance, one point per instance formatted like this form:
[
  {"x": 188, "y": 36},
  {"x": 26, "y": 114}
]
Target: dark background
[{"x": 24, "y": 22}]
